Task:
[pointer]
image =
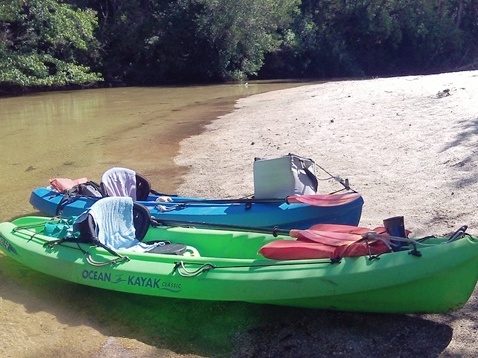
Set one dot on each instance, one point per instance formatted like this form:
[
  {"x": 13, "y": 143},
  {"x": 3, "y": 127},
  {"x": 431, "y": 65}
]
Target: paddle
[
  {"x": 185, "y": 223},
  {"x": 325, "y": 234},
  {"x": 324, "y": 199},
  {"x": 314, "y": 200},
  {"x": 334, "y": 231},
  {"x": 319, "y": 241},
  {"x": 334, "y": 242},
  {"x": 334, "y": 234}
]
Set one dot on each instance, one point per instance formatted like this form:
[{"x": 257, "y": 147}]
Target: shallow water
[{"x": 83, "y": 133}]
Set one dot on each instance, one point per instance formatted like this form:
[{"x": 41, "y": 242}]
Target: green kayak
[{"x": 428, "y": 275}]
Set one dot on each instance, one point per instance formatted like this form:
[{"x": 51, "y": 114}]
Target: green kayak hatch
[{"x": 433, "y": 275}]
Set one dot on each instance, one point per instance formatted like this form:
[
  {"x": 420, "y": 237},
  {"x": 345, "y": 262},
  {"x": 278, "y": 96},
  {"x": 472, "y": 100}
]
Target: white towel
[
  {"x": 114, "y": 224},
  {"x": 120, "y": 182}
]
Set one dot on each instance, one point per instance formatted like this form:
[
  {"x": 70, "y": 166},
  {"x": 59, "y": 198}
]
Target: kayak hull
[
  {"x": 248, "y": 213},
  {"x": 223, "y": 265}
]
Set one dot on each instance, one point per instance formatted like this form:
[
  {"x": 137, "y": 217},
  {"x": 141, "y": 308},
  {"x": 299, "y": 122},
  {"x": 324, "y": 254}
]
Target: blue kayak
[{"x": 294, "y": 212}]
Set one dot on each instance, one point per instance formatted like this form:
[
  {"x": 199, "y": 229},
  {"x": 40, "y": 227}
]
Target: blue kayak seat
[
  {"x": 143, "y": 187},
  {"x": 119, "y": 181}
]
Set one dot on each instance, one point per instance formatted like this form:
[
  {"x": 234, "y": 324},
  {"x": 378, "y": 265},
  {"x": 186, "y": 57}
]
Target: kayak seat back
[
  {"x": 118, "y": 223},
  {"x": 125, "y": 182},
  {"x": 143, "y": 187},
  {"x": 141, "y": 220},
  {"x": 88, "y": 227},
  {"x": 119, "y": 182}
]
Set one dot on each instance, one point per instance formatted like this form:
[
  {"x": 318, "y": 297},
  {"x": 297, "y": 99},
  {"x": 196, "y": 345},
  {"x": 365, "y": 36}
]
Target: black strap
[{"x": 312, "y": 177}]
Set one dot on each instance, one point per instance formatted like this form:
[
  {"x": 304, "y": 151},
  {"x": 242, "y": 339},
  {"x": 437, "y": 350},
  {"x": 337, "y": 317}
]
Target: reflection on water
[{"x": 83, "y": 133}]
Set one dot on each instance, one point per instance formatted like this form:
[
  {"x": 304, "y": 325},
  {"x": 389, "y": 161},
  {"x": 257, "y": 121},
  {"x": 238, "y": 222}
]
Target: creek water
[{"x": 83, "y": 133}]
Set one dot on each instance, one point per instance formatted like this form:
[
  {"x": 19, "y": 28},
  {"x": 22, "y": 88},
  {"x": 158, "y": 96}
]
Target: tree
[
  {"x": 157, "y": 41},
  {"x": 45, "y": 43},
  {"x": 240, "y": 33},
  {"x": 380, "y": 37}
]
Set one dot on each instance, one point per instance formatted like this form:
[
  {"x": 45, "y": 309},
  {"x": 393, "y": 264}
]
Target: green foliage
[
  {"x": 46, "y": 43},
  {"x": 378, "y": 37},
  {"x": 241, "y": 32},
  {"x": 148, "y": 42},
  {"x": 190, "y": 40},
  {"x": 124, "y": 33},
  {"x": 35, "y": 71}
]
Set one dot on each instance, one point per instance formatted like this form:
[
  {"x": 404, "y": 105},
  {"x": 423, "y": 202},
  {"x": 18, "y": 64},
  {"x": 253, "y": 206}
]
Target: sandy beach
[{"x": 407, "y": 144}]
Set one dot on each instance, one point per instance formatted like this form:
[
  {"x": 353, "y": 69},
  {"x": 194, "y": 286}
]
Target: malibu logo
[
  {"x": 8, "y": 247},
  {"x": 131, "y": 280}
]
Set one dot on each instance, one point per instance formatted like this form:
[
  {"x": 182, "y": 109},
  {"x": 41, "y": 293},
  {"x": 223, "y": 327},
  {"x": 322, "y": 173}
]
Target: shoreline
[
  {"x": 407, "y": 144},
  {"x": 407, "y": 150}
]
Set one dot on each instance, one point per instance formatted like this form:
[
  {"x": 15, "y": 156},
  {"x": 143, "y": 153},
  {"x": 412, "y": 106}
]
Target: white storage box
[{"x": 280, "y": 177}]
